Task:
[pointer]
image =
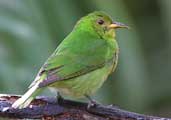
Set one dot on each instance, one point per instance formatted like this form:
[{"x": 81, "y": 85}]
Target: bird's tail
[{"x": 26, "y": 99}]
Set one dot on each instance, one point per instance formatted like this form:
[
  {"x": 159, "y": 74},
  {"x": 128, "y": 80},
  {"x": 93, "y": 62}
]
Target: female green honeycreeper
[{"x": 81, "y": 63}]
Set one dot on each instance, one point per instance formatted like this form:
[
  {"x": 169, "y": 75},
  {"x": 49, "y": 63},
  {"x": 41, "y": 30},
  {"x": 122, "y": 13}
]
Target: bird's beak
[{"x": 115, "y": 25}]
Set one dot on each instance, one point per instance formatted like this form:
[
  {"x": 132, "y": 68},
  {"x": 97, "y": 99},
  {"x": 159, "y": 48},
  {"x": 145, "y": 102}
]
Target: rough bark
[{"x": 48, "y": 109}]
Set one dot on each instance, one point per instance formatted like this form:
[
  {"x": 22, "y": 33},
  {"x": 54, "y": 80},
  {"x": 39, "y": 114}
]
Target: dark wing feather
[{"x": 53, "y": 77}]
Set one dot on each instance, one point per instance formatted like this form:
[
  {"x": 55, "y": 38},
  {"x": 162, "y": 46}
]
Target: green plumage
[{"x": 81, "y": 63}]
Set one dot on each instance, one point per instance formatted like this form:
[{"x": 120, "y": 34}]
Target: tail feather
[{"x": 26, "y": 99}]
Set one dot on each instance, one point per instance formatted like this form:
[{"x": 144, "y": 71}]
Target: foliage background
[{"x": 30, "y": 30}]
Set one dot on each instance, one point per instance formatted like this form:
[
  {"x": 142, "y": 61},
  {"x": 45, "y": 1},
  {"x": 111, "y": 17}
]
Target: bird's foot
[{"x": 92, "y": 102}]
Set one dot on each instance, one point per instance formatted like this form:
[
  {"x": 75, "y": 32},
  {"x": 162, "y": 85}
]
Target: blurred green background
[{"x": 30, "y": 30}]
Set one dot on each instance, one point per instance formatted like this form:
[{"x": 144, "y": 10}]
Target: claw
[{"x": 92, "y": 102}]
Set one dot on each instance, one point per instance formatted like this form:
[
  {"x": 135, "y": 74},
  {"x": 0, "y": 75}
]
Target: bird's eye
[{"x": 100, "y": 22}]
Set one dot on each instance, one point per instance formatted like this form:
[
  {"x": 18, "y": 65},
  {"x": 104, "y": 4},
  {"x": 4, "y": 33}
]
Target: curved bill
[{"x": 115, "y": 25}]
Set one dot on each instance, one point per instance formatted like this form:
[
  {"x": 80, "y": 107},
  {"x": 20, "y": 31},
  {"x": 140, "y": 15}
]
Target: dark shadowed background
[{"x": 30, "y": 30}]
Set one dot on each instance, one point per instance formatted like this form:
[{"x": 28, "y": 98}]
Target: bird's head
[{"x": 99, "y": 23}]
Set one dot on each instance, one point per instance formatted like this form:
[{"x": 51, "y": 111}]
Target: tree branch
[{"x": 47, "y": 108}]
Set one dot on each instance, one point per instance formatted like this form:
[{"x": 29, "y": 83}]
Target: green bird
[{"x": 81, "y": 63}]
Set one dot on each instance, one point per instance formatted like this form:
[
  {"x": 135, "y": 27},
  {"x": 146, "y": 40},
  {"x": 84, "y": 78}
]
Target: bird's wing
[
  {"x": 66, "y": 72},
  {"x": 70, "y": 63}
]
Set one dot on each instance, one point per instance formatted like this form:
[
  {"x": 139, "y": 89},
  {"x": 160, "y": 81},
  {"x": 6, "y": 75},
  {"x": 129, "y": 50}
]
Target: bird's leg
[
  {"x": 92, "y": 102},
  {"x": 60, "y": 99}
]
